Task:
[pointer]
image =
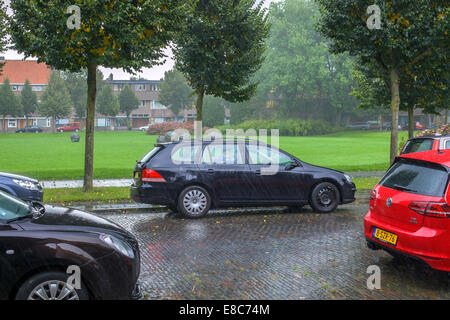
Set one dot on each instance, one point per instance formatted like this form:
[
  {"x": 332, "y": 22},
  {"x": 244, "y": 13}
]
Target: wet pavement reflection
[{"x": 271, "y": 254}]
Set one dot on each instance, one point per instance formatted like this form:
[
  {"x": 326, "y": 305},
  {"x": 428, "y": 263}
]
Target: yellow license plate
[
  {"x": 385, "y": 236},
  {"x": 136, "y": 175}
]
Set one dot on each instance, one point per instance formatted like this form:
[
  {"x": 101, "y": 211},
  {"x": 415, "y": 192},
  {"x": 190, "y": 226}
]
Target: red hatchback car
[
  {"x": 409, "y": 209},
  {"x": 68, "y": 127}
]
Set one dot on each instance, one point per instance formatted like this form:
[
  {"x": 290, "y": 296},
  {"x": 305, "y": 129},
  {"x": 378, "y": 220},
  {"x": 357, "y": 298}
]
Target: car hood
[
  {"x": 69, "y": 219},
  {"x": 16, "y": 176}
]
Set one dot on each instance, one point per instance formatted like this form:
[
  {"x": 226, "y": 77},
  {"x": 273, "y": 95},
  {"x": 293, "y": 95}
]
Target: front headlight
[
  {"x": 27, "y": 184},
  {"x": 117, "y": 245},
  {"x": 348, "y": 178}
]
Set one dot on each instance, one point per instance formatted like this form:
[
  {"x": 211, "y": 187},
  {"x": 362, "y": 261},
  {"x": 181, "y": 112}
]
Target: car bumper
[
  {"x": 425, "y": 244},
  {"x": 349, "y": 191},
  {"x": 153, "y": 193}
]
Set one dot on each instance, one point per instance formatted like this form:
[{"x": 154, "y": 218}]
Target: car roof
[
  {"x": 207, "y": 141},
  {"x": 432, "y": 136},
  {"x": 441, "y": 157}
]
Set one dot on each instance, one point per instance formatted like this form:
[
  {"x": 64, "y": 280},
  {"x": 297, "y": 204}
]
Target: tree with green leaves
[
  {"x": 3, "y": 30},
  {"x": 300, "y": 72},
  {"x": 175, "y": 92},
  {"x": 423, "y": 87},
  {"x": 214, "y": 111},
  {"x": 9, "y": 103},
  {"x": 55, "y": 100},
  {"x": 402, "y": 34},
  {"x": 128, "y": 102},
  {"x": 28, "y": 99},
  {"x": 107, "y": 102},
  {"x": 220, "y": 47},
  {"x": 85, "y": 34}
]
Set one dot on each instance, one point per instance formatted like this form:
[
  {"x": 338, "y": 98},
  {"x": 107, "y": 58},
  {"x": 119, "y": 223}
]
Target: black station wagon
[{"x": 193, "y": 177}]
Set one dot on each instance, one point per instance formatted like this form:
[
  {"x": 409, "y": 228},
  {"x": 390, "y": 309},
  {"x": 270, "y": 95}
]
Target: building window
[
  {"x": 143, "y": 103},
  {"x": 157, "y": 105},
  {"x": 116, "y": 87},
  {"x": 37, "y": 88},
  {"x": 140, "y": 87},
  {"x": 12, "y": 123}
]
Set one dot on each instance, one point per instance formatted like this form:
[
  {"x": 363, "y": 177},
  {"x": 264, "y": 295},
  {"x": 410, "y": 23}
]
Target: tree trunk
[
  {"x": 380, "y": 122},
  {"x": 199, "y": 103},
  {"x": 411, "y": 123},
  {"x": 90, "y": 118},
  {"x": 339, "y": 117},
  {"x": 395, "y": 105},
  {"x": 3, "y": 125}
]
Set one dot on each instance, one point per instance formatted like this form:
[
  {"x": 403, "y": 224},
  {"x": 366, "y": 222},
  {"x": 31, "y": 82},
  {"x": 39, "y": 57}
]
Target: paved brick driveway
[{"x": 271, "y": 254}]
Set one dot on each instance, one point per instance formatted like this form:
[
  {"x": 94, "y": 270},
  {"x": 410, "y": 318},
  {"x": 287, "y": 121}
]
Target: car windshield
[
  {"x": 418, "y": 178},
  {"x": 418, "y": 145},
  {"x": 12, "y": 207}
]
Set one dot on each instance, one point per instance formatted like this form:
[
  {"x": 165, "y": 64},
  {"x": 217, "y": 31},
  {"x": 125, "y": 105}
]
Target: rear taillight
[
  {"x": 373, "y": 195},
  {"x": 151, "y": 176},
  {"x": 431, "y": 209}
]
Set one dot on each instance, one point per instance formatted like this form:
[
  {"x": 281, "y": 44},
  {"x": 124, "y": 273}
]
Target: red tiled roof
[{"x": 18, "y": 71}]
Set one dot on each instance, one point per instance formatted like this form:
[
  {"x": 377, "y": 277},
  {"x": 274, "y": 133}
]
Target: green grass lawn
[{"x": 51, "y": 156}]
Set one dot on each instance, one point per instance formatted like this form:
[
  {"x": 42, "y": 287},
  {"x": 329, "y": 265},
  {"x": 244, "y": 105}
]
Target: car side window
[
  {"x": 223, "y": 154},
  {"x": 263, "y": 155},
  {"x": 185, "y": 154},
  {"x": 447, "y": 144}
]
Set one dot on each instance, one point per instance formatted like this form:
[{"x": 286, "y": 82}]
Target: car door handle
[
  {"x": 258, "y": 171},
  {"x": 210, "y": 171}
]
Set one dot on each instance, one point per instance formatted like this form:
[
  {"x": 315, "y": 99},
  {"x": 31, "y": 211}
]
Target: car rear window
[
  {"x": 418, "y": 145},
  {"x": 419, "y": 178},
  {"x": 151, "y": 154}
]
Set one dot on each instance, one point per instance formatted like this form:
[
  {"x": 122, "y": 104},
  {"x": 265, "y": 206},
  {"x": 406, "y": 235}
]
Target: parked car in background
[
  {"x": 69, "y": 127},
  {"x": 234, "y": 173},
  {"x": 34, "y": 129},
  {"x": 359, "y": 126},
  {"x": 426, "y": 143},
  {"x": 410, "y": 209},
  {"x": 144, "y": 128},
  {"x": 387, "y": 125},
  {"x": 38, "y": 243},
  {"x": 419, "y": 126},
  {"x": 374, "y": 125},
  {"x": 25, "y": 188}
]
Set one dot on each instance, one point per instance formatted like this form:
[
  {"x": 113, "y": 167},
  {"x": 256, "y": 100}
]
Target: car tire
[
  {"x": 194, "y": 202},
  {"x": 38, "y": 288},
  {"x": 325, "y": 197},
  {"x": 61, "y": 130}
]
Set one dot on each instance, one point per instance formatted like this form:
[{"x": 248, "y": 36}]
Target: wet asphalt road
[{"x": 271, "y": 254}]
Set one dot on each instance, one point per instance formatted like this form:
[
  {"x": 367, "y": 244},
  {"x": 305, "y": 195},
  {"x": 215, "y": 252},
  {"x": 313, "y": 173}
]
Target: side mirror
[{"x": 293, "y": 165}]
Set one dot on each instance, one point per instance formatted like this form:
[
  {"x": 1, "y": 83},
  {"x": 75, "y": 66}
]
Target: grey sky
[{"x": 154, "y": 73}]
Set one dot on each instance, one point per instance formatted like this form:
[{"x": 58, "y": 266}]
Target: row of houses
[{"x": 150, "y": 110}]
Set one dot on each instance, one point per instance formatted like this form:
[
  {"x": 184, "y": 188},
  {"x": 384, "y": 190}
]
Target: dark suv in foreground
[
  {"x": 40, "y": 246},
  {"x": 192, "y": 177}
]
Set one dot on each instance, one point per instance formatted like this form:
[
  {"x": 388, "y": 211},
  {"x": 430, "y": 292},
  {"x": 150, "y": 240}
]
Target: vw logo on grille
[{"x": 389, "y": 202}]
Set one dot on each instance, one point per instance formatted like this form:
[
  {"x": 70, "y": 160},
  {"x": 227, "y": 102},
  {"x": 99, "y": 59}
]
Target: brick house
[
  {"x": 150, "y": 110},
  {"x": 18, "y": 71}
]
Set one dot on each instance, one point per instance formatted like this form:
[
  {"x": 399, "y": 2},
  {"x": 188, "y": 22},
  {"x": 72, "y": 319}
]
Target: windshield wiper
[
  {"x": 29, "y": 215},
  {"x": 396, "y": 186}
]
